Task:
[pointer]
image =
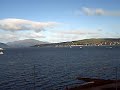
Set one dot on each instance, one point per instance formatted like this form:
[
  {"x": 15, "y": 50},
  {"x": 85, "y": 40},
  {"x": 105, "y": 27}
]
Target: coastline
[{"x": 97, "y": 84}]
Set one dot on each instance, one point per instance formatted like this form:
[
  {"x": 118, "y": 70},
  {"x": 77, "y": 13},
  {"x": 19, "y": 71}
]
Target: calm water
[{"x": 55, "y": 68}]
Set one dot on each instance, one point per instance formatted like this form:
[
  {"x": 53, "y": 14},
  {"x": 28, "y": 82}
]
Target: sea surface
[{"x": 53, "y": 68}]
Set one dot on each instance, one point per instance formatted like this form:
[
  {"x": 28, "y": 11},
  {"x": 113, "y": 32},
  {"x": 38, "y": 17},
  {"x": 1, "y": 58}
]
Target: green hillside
[
  {"x": 107, "y": 41},
  {"x": 86, "y": 42}
]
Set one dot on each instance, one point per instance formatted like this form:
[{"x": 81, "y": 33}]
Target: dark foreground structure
[{"x": 97, "y": 84}]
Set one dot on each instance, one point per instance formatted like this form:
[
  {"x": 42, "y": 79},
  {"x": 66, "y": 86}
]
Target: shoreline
[{"x": 97, "y": 84}]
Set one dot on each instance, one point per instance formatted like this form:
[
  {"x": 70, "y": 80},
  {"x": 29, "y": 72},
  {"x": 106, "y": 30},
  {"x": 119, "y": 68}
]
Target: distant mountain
[
  {"x": 25, "y": 43},
  {"x": 2, "y": 45}
]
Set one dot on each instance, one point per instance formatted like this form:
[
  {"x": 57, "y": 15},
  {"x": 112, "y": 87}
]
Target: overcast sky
[{"x": 59, "y": 20}]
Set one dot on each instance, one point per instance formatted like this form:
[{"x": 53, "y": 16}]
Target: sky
[{"x": 59, "y": 20}]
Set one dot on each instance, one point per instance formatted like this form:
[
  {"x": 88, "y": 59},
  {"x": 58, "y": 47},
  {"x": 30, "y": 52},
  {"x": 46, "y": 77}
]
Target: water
[{"x": 55, "y": 68}]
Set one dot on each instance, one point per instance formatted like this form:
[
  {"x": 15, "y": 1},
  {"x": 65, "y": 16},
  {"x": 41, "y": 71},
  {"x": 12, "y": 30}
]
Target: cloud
[
  {"x": 10, "y": 36},
  {"x": 75, "y": 32},
  {"x": 99, "y": 12},
  {"x": 70, "y": 35},
  {"x": 33, "y": 35},
  {"x": 13, "y": 24}
]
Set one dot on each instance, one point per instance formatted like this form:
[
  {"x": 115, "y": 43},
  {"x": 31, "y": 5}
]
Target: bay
[{"x": 51, "y": 68}]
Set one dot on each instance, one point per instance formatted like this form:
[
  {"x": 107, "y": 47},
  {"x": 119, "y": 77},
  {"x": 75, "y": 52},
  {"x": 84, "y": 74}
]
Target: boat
[
  {"x": 109, "y": 47},
  {"x": 1, "y": 51},
  {"x": 80, "y": 47}
]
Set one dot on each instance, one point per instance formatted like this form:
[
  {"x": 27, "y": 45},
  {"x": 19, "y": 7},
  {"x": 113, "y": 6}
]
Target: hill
[
  {"x": 86, "y": 42},
  {"x": 25, "y": 43},
  {"x": 100, "y": 41}
]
